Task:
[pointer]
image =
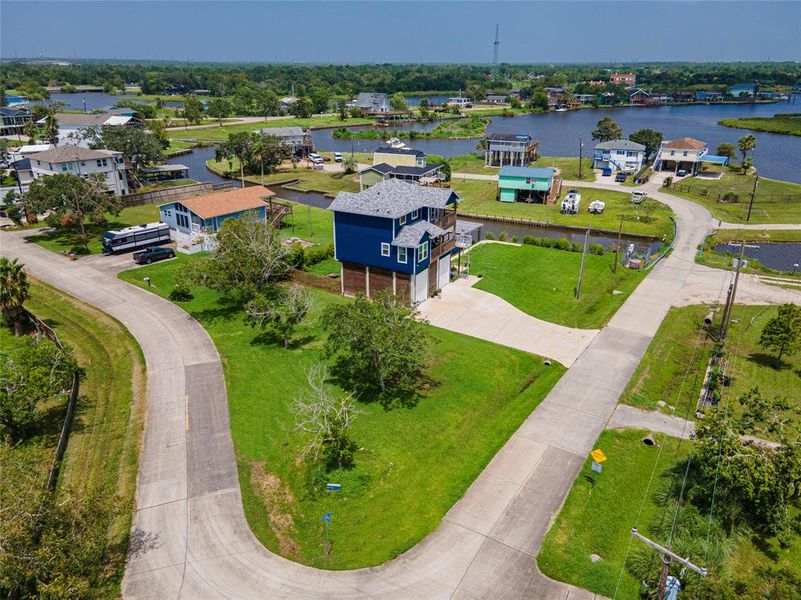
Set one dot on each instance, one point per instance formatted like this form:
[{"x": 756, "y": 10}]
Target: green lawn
[
  {"x": 672, "y": 354},
  {"x": 309, "y": 223},
  {"x": 103, "y": 448},
  {"x": 601, "y": 509},
  {"x": 480, "y": 197},
  {"x": 413, "y": 462},
  {"x": 789, "y": 124},
  {"x": 326, "y": 267},
  {"x": 64, "y": 240},
  {"x": 309, "y": 179},
  {"x": 221, "y": 133},
  {"x": 542, "y": 282},
  {"x": 474, "y": 163},
  {"x": 775, "y": 201},
  {"x": 177, "y": 146}
]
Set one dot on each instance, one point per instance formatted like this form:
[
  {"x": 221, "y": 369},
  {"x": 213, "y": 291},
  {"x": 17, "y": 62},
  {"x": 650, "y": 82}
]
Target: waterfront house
[
  {"x": 528, "y": 184},
  {"x": 287, "y": 102},
  {"x": 518, "y": 149},
  {"x": 496, "y": 99},
  {"x": 298, "y": 141},
  {"x": 586, "y": 98},
  {"x": 13, "y": 120},
  {"x": 395, "y": 236},
  {"x": 704, "y": 96},
  {"x": 398, "y": 163},
  {"x": 26, "y": 150},
  {"x": 193, "y": 218},
  {"x": 683, "y": 97},
  {"x": 76, "y": 160},
  {"x": 72, "y": 125},
  {"x": 643, "y": 98},
  {"x": 372, "y": 103},
  {"x": 684, "y": 153},
  {"x": 739, "y": 90},
  {"x": 618, "y": 155},
  {"x": 626, "y": 79},
  {"x": 168, "y": 172}
]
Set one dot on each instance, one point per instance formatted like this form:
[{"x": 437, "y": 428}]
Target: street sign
[
  {"x": 327, "y": 517},
  {"x": 333, "y": 487},
  {"x": 596, "y": 467},
  {"x": 598, "y": 455}
]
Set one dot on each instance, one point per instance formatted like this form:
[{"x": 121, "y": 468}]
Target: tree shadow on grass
[
  {"x": 766, "y": 360},
  {"x": 369, "y": 392},
  {"x": 227, "y": 308},
  {"x": 271, "y": 338},
  {"x": 761, "y": 544}
]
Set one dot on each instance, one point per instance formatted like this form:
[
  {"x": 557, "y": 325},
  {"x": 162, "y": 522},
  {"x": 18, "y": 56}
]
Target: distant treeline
[{"x": 346, "y": 80}]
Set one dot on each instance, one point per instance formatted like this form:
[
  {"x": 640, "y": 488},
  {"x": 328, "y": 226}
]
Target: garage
[
  {"x": 421, "y": 286},
  {"x": 444, "y": 271}
]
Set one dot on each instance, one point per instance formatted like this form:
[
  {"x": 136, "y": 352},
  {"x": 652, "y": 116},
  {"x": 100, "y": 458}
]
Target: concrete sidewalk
[{"x": 465, "y": 309}]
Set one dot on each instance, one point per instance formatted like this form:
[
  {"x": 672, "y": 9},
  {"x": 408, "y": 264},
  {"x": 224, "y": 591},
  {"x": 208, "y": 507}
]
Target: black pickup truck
[{"x": 151, "y": 255}]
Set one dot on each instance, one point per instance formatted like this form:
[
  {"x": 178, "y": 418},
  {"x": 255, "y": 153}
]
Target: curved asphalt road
[{"x": 190, "y": 536}]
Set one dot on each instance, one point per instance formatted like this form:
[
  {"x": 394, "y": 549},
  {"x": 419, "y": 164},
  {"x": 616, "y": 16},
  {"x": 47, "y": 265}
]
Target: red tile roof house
[
  {"x": 194, "y": 221},
  {"x": 627, "y": 79},
  {"x": 682, "y": 154}
]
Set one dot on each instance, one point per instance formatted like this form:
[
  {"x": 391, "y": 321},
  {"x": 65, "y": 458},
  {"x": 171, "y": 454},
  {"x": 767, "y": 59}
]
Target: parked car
[
  {"x": 337, "y": 156},
  {"x": 638, "y": 197},
  {"x": 621, "y": 176},
  {"x": 153, "y": 254},
  {"x": 681, "y": 173},
  {"x": 606, "y": 172},
  {"x": 316, "y": 158}
]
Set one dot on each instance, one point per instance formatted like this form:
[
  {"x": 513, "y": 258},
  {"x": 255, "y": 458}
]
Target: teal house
[{"x": 526, "y": 184}]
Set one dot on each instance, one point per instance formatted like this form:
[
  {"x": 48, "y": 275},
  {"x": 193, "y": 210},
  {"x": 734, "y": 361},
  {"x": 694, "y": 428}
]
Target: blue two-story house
[{"x": 395, "y": 235}]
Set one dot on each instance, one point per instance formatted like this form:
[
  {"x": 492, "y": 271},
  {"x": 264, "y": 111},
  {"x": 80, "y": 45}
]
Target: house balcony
[
  {"x": 442, "y": 245},
  {"x": 446, "y": 220}
]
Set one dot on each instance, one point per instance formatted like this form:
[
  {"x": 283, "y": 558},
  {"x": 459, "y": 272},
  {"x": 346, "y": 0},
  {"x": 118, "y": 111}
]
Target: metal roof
[
  {"x": 391, "y": 150},
  {"x": 620, "y": 144},
  {"x": 282, "y": 131},
  {"x": 537, "y": 172},
  {"x": 392, "y": 198}
]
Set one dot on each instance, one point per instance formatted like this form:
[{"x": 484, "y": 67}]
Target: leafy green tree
[
  {"x": 268, "y": 103},
  {"x": 649, "y": 138},
  {"x": 782, "y": 334},
  {"x": 320, "y": 97},
  {"x": 138, "y": 146},
  {"x": 424, "y": 109},
  {"x": 269, "y": 150},
  {"x": 444, "y": 165},
  {"x": 30, "y": 130},
  {"x": 193, "y": 109},
  {"x": 14, "y": 292},
  {"x": 398, "y": 102},
  {"x": 539, "y": 101},
  {"x": 51, "y": 127},
  {"x": 377, "y": 344},
  {"x": 282, "y": 311},
  {"x": 302, "y": 109},
  {"x": 746, "y": 144},
  {"x": 607, "y": 130},
  {"x": 219, "y": 108},
  {"x": 158, "y": 129},
  {"x": 249, "y": 259},
  {"x": 350, "y": 164},
  {"x": 240, "y": 146},
  {"x": 515, "y": 102},
  {"x": 71, "y": 200},
  {"x": 728, "y": 150},
  {"x": 327, "y": 418},
  {"x": 35, "y": 372},
  {"x": 342, "y": 110}
]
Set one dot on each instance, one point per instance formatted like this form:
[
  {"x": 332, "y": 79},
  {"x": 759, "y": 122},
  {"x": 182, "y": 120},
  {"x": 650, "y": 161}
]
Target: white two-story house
[
  {"x": 619, "y": 155},
  {"x": 82, "y": 162},
  {"x": 684, "y": 154}
]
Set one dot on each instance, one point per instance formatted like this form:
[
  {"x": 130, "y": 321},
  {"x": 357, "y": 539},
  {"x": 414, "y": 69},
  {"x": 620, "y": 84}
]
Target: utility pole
[
  {"x": 724, "y": 326},
  {"x": 668, "y": 556},
  {"x": 753, "y": 193},
  {"x": 581, "y": 270},
  {"x": 617, "y": 246},
  {"x": 581, "y": 147}
]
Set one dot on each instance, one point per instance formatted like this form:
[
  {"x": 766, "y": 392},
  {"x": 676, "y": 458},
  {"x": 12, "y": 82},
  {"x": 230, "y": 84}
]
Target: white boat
[
  {"x": 597, "y": 207},
  {"x": 561, "y": 110},
  {"x": 395, "y": 143},
  {"x": 570, "y": 203}
]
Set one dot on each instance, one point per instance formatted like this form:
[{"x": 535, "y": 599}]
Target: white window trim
[
  {"x": 385, "y": 249},
  {"x": 415, "y": 214},
  {"x": 405, "y": 255},
  {"x": 422, "y": 252},
  {"x": 403, "y": 220}
]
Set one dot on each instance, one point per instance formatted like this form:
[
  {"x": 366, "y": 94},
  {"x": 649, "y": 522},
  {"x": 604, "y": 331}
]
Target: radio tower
[{"x": 495, "y": 47}]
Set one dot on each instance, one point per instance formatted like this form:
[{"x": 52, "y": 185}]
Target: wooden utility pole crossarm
[{"x": 668, "y": 556}]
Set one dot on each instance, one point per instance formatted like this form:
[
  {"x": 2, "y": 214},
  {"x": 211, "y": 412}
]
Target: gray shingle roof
[
  {"x": 384, "y": 168},
  {"x": 371, "y": 100},
  {"x": 282, "y": 131},
  {"x": 619, "y": 145},
  {"x": 71, "y": 153},
  {"x": 392, "y": 198},
  {"x": 390, "y": 150},
  {"x": 410, "y": 235}
]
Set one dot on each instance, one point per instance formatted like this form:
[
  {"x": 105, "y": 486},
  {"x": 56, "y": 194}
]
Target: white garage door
[
  {"x": 444, "y": 272},
  {"x": 421, "y": 286}
]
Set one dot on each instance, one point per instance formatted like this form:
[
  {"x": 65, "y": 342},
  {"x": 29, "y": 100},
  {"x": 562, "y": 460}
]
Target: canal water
[
  {"x": 778, "y": 256},
  {"x": 777, "y": 156},
  {"x": 98, "y": 100}
]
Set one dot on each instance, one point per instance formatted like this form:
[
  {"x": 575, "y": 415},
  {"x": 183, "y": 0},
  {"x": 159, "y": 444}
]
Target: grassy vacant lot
[
  {"x": 789, "y": 124},
  {"x": 103, "y": 449},
  {"x": 601, "y": 509},
  {"x": 723, "y": 260},
  {"x": 309, "y": 223},
  {"x": 542, "y": 282},
  {"x": 64, "y": 240},
  {"x": 414, "y": 461},
  {"x": 177, "y": 146},
  {"x": 221, "y": 133},
  {"x": 673, "y": 353},
  {"x": 474, "y": 163},
  {"x": 309, "y": 179},
  {"x": 480, "y": 197},
  {"x": 775, "y": 201}
]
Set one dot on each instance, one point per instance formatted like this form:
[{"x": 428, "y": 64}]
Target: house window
[
  {"x": 403, "y": 220},
  {"x": 422, "y": 252},
  {"x": 415, "y": 214},
  {"x": 384, "y": 249},
  {"x": 685, "y": 153}
]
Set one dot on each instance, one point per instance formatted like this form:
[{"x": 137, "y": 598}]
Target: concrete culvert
[
  {"x": 708, "y": 319},
  {"x": 547, "y": 363},
  {"x": 649, "y": 441}
]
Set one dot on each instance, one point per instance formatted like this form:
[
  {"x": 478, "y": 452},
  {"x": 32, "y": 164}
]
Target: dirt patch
[{"x": 278, "y": 501}]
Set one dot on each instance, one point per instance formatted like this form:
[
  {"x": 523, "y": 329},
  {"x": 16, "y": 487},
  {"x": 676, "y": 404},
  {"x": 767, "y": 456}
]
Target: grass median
[{"x": 413, "y": 464}]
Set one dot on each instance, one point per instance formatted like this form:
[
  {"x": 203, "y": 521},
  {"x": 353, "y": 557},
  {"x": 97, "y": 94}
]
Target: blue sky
[{"x": 409, "y": 31}]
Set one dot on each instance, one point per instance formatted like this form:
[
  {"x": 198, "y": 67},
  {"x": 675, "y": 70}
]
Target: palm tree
[
  {"x": 260, "y": 149},
  {"x": 13, "y": 293},
  {"x": 746, "y": 144},
  {"x": 51, "y": 127}
]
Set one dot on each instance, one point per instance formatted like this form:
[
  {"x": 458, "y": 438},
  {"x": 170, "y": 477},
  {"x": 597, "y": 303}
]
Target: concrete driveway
[{"x": 477, "y": 313}]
